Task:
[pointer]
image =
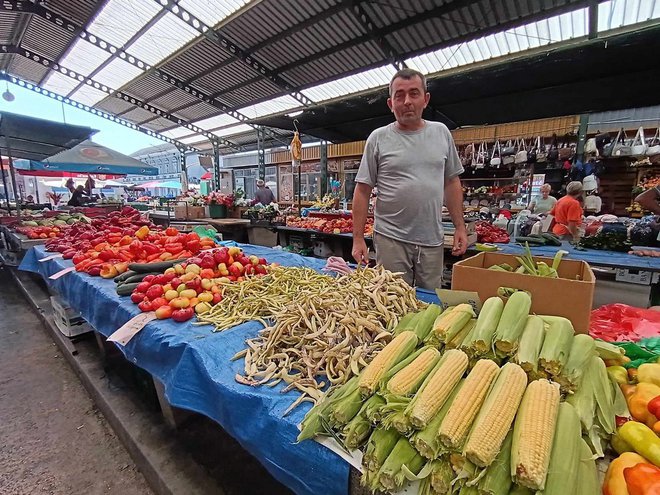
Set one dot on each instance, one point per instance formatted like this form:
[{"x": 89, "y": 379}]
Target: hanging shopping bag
[
  {"x": 654, "y": 145},
  {"x": 621, "y": 146},
  {"x": 566, "y": 152},
  {"x": 509, "y": 149},
  {"x": 638, "y": 145},
  {"x": 521, "y": 156},
  {"x": 495, "y": 159},
  {"x": 479, "y": 159},
  {"x": 590, "y": 147}
]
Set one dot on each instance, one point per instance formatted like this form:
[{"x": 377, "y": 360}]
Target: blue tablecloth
[
  {"x": 193, "y": 363},
  {"x": 611, "y": 259}
]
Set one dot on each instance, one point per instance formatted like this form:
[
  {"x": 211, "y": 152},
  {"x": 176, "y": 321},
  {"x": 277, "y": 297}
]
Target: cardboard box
[
  {"x": 566, "y": 296},
  {"x": 183, "y": 211}
]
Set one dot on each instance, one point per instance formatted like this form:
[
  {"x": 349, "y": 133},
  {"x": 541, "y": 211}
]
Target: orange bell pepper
[
  {"x": 171, "y": 231},
  {"x": 642, "y": 479},
  {"x": 615, "y": 482},
  {"x": 649, "y": 373},
  {"x": 142, "y": 232},
  {"x": 638, "y": 403}
]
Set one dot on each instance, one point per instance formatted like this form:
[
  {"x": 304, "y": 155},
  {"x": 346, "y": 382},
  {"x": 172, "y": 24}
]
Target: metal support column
[
  {"x": 261, "y": 134},
  {"x": 216, "y": 167},
  {"x": 593, "y": 19},
  {"x": 324, "y": 167},
  {"x": 12, "y": 176},
  {"x": 184, "y": 171},
  {"x": 582, "y": 136}
]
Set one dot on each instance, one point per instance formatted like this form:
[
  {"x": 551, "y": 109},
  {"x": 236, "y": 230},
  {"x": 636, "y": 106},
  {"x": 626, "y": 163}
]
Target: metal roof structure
[{"x": 204, "y": 72}]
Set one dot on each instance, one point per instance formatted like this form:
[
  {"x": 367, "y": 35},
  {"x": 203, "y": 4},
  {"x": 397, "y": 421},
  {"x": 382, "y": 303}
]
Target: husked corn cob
[
  {"x": 466, "y": 405},
  {"x": 588, "y": 482},
  {"x": 565, "y": 456},
  {"x": 457, "y": 340},
  {"x": 427, "y": 441},
  {"x": 436, "y": 388},
  {"x": 529, "y": 347},
  {"x": 583, "y": 348},
  {"x": 481, "y": 338},
  {"x": 533, "y": 434},
  {"x": 449, "y": 323},
  {"x": 497, "y": 479},
  {"x": 556, "y": 345},
  {"x": 512, "y": 322},
  {"x": 496, "y": 415},
  {"x": 424, "y": 324},
  {"x": 345, "y": 409},
  {"x": 400, "y": 347},
  {"x": 408, "y": 380}
]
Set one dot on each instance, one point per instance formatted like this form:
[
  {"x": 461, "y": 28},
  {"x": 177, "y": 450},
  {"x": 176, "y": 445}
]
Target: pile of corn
[{"x": 505, "y": 404}]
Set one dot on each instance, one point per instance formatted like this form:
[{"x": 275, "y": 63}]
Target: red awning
[{"x": 207, "y": 176}]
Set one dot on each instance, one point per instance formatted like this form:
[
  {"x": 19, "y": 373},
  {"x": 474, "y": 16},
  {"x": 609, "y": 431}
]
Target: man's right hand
[{"x": 360, "y": 251}]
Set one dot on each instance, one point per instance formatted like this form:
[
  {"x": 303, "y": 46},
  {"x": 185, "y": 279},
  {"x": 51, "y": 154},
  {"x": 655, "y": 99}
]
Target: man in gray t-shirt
[{"x": 415, "y": 166}]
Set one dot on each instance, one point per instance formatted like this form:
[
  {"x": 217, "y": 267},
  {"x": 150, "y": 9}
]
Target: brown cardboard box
[
  {"x": 565, "y": 296},
  {"x": 183, "y": 211}
]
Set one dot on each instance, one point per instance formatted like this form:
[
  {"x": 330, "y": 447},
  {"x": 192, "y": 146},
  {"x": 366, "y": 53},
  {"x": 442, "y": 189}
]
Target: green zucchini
[
  {"x": 126, "y": 289},
  {"x": 138, "y": 277},
  {"x": 124, "y": 276},
  {"x": 551, "y": 239},
  {"x": 531, "y": 240},
  {"x": 159, "y": 266}
]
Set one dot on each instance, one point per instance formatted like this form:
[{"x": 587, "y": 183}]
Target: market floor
[{"x": 54, "y": 441}]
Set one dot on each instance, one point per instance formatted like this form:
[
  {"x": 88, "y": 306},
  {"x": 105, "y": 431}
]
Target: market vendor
[
  {"x": 415, "y": 165},
  {"x": 543, "y": 203},
  {"x": 567, "y": 213},
  {"x": 650, "y": 200},
  {"x": 263, "y": 195},
  {"x": 78, "y": 197}
]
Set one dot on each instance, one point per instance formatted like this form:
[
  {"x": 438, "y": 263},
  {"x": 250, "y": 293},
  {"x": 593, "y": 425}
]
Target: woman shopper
[
  {"x": 543, "y": 203},
  {"x": 568, "y": 213}
]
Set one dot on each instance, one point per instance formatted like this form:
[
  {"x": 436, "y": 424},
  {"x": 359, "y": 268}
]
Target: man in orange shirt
[{"x": 568, "y": 213}]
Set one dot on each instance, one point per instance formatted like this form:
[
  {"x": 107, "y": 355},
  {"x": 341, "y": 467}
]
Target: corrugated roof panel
[
  {"x": 84, "y": 58},
  {"x": 246, "y": 94},
  {"x": 617, "y": 13},
  {"x": 117, "y": 73},
  {"x": 27, "y": 69},
  {"x": 269, "y": 107},
  {"x": 60, "y": 84},
  {"x": 162, "y": 39},
  {"x": 197, "y": 112},
  {"x": 119, "y": 20},
  {"x": 197, "y": 59},
  {"x": 78, "y": 11},
  {"x": 385, "y": 13},
  {"x": 234, "y": 129},
  {"x": 88, "y": 95},
  {"x": 215, "y": 122},
  {"x": 177, "y": 132},
  {"x": 5, "y": 59},
  {"x": 211, "y": 12},
  {"x": 147, "y": 87},
  {"x": 197, "y": 138},
  {"x": 114, "y": 105},
  {"x": 234, "y": 73},
  {"x": 351, "y": 84},
  {"x": 174, "y": 99},
  {"x": 158, "y": 124},
  {"x": 138, "y": 115},
  {"x": 9, "y": 21},
  {"x": 45, "y": 38}
]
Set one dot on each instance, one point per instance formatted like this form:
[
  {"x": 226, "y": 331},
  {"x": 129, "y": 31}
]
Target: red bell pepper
[
  {"x": 642, "y": 479},
  {"x": 654, "y": 407},
  {"x": 151, "y": 248}
]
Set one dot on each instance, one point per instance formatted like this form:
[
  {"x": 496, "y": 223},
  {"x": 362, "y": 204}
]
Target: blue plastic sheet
[{"x": 193, "y": 363}]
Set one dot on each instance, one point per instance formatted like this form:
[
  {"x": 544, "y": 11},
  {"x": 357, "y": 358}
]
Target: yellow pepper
[
  {"x": 639, "y": 400},
  {"x": 615, "y": 483},
  {"x": 649, "y": 373},
  {"x": 620, "y": 445},
  {"x": 642, "y": 439},
  {"x": 618, "y": 373}
]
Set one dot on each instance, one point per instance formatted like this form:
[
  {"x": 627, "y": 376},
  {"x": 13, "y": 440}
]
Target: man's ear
[
  {"x": 427, "y": 98},
  {"x": 389, "y": 104}
]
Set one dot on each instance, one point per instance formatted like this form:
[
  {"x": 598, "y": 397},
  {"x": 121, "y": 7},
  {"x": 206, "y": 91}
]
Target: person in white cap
[
  {"x": 592, "y": 202},
  {"x": 263, "y": 194}
]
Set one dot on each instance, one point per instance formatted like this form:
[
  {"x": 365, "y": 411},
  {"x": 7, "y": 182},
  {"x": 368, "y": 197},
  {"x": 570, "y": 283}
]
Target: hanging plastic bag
[{"x": 623, "y": 323}]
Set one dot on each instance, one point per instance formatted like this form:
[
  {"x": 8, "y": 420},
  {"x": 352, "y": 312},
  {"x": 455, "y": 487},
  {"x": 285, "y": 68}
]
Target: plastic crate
[{"x": 68, "y": 321}]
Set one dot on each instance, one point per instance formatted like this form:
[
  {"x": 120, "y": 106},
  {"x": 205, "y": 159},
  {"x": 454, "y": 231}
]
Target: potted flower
[{"x": 218, "y": 204}]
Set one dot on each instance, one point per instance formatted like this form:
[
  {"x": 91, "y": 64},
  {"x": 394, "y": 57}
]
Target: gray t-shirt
[
  {"x": 264, "y": 196},
  {"x": 410, "y": 168}
]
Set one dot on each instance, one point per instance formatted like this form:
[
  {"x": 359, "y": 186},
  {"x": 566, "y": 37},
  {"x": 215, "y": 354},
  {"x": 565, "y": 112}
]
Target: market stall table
[
  {"x": 230, "y": 228},
  {"x": 194, "y": 365},
  {"x": 14, "y": 245}
]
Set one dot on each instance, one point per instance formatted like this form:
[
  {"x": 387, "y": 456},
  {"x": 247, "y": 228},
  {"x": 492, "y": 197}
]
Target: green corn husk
[
  {"x": 562, "y": 472},
  {"x": 468, "y": 490},
  {"x": 610, "y": 352},
  {"x": 393, "y": 415},
  {"x": 372, "y": 409},
  {"x": 588, "y": 481},
  {"x": 427, "y": 441},
  {"x": 357, "y": 430},
  {"x": 605, "y": 417},
  {"x": 584, "y": 402},
  {"x": 312, "y": 424},
  {"x": 390, "y": 475},
  {"x": 456, "y": 341},
  {"x": 520, "y": 490},
  {"x": 582, "y": 348},
  {"x": 345, "y": 409},
  {"x": 512, "y": 323},
  {"x": 424, "y": 324},
  {"x": 379, "y": 446},
  {"x": 556, "y": 345},
  {"x": 407, "y": 322},
  {"x": 497, "y": 479},
  {"x": 619, "y": 404},
  {"x": 480, "y": 340},
  {"x": 441, "y": 477},
  {"x": 530, "y": 346}
]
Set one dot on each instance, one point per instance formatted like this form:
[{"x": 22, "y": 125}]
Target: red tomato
[
  {"x": 145, "y": 306},
  {"x": 158, "y": 302},
  {"x": 154, "y": 291},
  {"x": 182, "y": 315},
  {"x": 163, "y": 312},
  {"x": 143, "y": 287},
  {"x": 137, "y": 297}
]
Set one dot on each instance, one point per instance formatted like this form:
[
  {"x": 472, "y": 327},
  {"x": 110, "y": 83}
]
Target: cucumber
[
  {"x": 124, "y": 276},
  {"x": 531, "y": 240},
  {"x": 551, "y": 239},
  {"x": 159, "y": 266},
  {"x": 138, "y": 277},
  {"x": 126, "y": 289}
]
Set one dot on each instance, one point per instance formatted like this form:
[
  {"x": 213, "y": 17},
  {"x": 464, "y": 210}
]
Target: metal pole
[
  {"x": 13, "y": 181},
  {"x": 216, "y": 166},
  {"x": 299, "y": 187},
  {"x": 4, "y": 182},
  {"x": 261, "y": 152},
  {"x": 324, "y": 168},
  {"x": 582, "y": 136},
  {"x": 184, "y": 171}
]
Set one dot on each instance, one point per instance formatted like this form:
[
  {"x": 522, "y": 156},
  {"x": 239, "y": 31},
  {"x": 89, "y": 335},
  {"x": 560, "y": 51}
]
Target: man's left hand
[{"x": 460, "y": 242}]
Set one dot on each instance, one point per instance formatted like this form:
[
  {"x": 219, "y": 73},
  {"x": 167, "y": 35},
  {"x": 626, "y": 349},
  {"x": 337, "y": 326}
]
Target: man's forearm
[
  {"x": 573, "y": 229},
  {"x": 454, "y": 202},
  {"x": 360, "y": 209}
]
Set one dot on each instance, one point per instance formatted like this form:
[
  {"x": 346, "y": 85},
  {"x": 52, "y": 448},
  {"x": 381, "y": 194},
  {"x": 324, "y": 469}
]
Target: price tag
[
  {"x": 130, "y": 329},
  {"x": 61, "y": 273},
  {"x": 51, "y": 257},
  {"x": 456, "y": 297}
]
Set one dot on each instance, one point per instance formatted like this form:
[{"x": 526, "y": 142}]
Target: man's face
[{"x": 408, "y": 100}]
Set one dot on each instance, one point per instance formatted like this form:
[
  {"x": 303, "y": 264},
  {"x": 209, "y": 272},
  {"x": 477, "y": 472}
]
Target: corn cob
[
  {"x": 406, "y": 323},
  {"x": 604, "y": 396},
  {"x": 496, "y": 415},
  {"x": 565, "y": 456},
  {"x": 533, "y": 434},
  {"x": 357, "y": 430},
  {"x": 556, "y": 345},
  {"x": 530, "y": 346},
  {"x": 610, "y": 352},
  {"x": 407, "y": 381},
  {"x": 584, "y": 402},
  {"x": 344, "y": 410},
  {"x": 379, "y": 446},
  {"x": 373, "y": 405},
  {"x": 393, "y": 415},
  {"x": 582, "y": 348},
  {"x": 312, "y": 424},
  {"x": 457, "y": 340},
  {"x": 512, "y": 322},
  {"x": 441, "y": 477},
  {"x": 400, "y": 347},
  {"x": 390, "y": 475},
  {"x": 424, "y": 324},
  {"x": 449, "y": 323},
  {"x": 464, "y": 408},
  {"x": 481, "y": 339},
  {"x": 436, "y": 388},
  {"x": 468, "y": 490},
  {"x": 588, "y": 481},
  {"x": 426, "y": 441},
  {"x": 497, "y": 479}
]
